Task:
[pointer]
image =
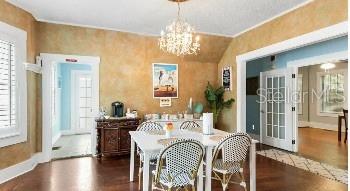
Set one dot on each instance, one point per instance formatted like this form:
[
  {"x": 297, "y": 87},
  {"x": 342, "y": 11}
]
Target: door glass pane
[
  {"x": 282, "y": 132},
  {"x": 281, "y": 107},
  {"x": 269, "y": 106},
  {"x": 82, "y": 112},
  {"x": 275, "y": 82},
  {"x": 275, "y": 106},
  {"x": 282, "y": 94},
  {"x": 88, "y": 92},
  {"x": 281, "y": 119},
  {"x": 269, "y": 130},
  {"x": 275, "y": 131},
  {"x": 82, "y": 92},
  {"x": 269, "y": 118},
  {"x": 275, "y": 119},
  {"x": 269, "y": 82},
  {"x": 282, "y": 81},
  {"x": 269, "y": 94}
]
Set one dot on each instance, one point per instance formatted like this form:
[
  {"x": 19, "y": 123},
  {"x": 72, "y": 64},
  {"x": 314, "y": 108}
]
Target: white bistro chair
[
  {"x": 228, "y": 159},
  {"x": 181, "y": 159},
  {"x": 189, "y": 125},
  {"x": 146, "y": 126}
]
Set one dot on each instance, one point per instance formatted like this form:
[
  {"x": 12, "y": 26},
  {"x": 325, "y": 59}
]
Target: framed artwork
[
  {"x": 165, "y": 80},
  {"x": 227, "y": 78}
]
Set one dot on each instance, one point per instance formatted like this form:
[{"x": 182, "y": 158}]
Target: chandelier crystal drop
[{"x": 178, "y": 38}]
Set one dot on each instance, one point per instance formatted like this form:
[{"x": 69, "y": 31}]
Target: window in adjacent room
[
  {"x": 332, "y": 87},
  {"x": 13, "y": 116}
]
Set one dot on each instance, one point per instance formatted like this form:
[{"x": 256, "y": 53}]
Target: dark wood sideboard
[{"x": 113, "y": 136}]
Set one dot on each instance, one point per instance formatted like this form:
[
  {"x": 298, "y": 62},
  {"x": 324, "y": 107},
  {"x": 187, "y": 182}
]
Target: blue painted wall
[
  {"x": 263, "y": 64},
  {"x": 65, "y": 81}
]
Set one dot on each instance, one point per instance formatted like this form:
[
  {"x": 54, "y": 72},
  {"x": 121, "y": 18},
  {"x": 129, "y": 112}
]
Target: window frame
[
  {"x": 18, "y": 37},
  {"x": 319, "y": 89}
]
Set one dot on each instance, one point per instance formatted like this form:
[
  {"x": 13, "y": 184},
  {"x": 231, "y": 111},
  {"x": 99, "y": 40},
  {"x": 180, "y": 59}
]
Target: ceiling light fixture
[
  {"x": 327, "y": 66},
  {"x": 178, "y": 37}
]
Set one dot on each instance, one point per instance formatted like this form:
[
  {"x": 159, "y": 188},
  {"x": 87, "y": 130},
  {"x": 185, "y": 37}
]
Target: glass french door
[
  {"x": 275, "y": 111},
  {"x": 83, "y": 103}
]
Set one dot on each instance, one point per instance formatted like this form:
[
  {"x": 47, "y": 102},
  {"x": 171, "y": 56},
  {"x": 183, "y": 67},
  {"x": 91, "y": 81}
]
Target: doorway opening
[
  {"x": 322, "y": 102},
  {"x": 72, "y": 110},
  {"x": 70, "y": 105}
]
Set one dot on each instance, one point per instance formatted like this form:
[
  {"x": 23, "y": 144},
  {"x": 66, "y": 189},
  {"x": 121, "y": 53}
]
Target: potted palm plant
[{"x": 215, "y": 99}]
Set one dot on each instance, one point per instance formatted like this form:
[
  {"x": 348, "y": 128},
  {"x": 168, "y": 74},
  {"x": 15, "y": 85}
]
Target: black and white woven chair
[
  {"x": 182, "y": 159},
  {"x": 228, "y": 159},
  {"x": 147, "y": 126},
  {"x": 189, "y": 125}
]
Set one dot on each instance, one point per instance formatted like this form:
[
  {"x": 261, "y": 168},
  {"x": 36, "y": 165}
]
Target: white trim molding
[
  {"x": 56, "y": 137},
  {"x": 319, "y": 125},
  {"x": 33, "y": 67},
  {"x": 18, "y": 38},
  {"x": 49, "y": 61},
  {"x": 324, "y": 34},
  {"x": 11, "y": 172}
]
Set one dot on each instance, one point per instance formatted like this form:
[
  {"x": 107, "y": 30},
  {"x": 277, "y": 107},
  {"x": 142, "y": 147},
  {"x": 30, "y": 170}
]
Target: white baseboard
[
  {"x": 319, "y": 125},
  {"x": 55, "y": 138},
  {"x": 67, "y": 132},
  {"x": 11, "y": 172}
]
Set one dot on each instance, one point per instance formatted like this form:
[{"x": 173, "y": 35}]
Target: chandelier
[{"x": 178, "y": 37}]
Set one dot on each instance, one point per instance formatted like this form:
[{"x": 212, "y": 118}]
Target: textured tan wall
[
  {"x": 315, "y": 15},
  {"x": 126, "y": 64},
  {"x": 17, "y": 153}
]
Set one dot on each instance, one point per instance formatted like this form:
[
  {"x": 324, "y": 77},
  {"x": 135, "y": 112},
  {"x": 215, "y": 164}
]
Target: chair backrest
[
  {"x": 345, "y": 111},
  {"x": 234, "y": 147},
  {"x": 149, "y": 126},
  {"x": 189, "y": 125},
  {"x": 182, "y": 155}
]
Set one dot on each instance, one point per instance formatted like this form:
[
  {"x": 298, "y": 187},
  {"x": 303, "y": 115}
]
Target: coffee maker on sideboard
[{"x": 117, "y": 109}]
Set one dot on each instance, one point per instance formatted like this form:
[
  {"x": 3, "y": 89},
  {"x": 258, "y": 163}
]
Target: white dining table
[{"x": 149, "y": 144}]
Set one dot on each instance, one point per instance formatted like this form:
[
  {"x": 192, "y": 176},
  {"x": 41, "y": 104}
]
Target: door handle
[{"x": 262, "y": 111}]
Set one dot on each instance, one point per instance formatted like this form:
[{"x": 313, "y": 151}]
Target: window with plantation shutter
[
  {"x": 7, "y": 85},
  {"x": 13, "y": 85}
]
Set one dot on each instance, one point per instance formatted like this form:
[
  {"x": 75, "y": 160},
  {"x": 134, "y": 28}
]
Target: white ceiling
[{"x": 220, "y": 17}]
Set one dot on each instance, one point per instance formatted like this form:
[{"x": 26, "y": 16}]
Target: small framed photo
[
  {"x": 227, "y": 78},
  {"x": 165, "y": 102}
]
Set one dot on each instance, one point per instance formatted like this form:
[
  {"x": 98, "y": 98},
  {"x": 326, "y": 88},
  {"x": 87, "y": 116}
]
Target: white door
[
  {"x": 275, "y": 109},
  {"x": 82, "y": 113}
]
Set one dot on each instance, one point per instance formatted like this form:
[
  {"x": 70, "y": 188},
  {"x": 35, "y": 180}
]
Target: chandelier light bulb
[
  {"x": 178, "y": 38},
  {"x": 197, "y": 38}
]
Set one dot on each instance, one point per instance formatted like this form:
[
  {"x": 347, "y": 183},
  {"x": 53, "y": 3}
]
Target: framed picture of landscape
[{"x": 165, "y": 80}]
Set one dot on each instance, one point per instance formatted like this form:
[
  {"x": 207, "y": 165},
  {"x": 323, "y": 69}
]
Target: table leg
[
  {"x": 339, "y": 128},
  {"x": 209, "y": 158},
  {"x": 132, "y": 160},
  {"x": 252, "y": 167},
  {"x": 145, "y": 179},
  {"x": 200, "y": 178}
]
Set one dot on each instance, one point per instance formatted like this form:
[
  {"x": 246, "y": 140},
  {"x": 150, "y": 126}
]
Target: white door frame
[
  {"x": 48, "y": 61},
  {"x": 74, "y": 104},
  {"x": 294, "y": 65},
  {"x": 324, "y": 34}
]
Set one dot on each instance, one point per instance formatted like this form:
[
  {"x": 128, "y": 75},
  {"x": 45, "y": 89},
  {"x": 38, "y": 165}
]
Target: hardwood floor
[
  {"x": 323, "y": 146},
  {"x": 88, "y": 174}
]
